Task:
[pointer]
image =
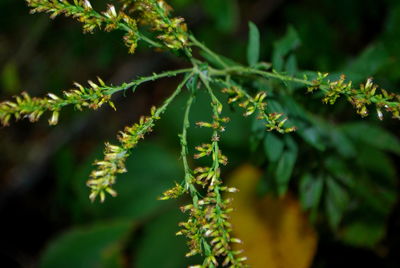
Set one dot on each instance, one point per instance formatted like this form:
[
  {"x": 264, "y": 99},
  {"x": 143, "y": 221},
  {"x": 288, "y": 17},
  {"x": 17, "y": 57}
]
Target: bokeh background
[{"x": 46, "y": 219}]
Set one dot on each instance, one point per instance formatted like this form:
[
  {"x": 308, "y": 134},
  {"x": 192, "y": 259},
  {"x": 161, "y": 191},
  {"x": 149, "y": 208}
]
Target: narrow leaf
[
  {"x": 336, "y": 202},
  {"x": 372, "y": 135},
  {"x": 253, "y": 47},
  {"x": 283, "y": 47},
  {"x": 85, "y": 247},
  {"x": 284, "y": 170},
  {"x": 310, "y": 191},
  {"x": 273, "y": 147}
]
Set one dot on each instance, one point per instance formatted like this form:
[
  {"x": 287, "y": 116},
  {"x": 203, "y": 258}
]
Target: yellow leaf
[{"x": 275, "y": 232}]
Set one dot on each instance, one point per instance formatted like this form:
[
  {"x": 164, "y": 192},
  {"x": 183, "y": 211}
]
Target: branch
[
  {"x": 91, "y": 97},
  {"x": 104, "y": 177}
]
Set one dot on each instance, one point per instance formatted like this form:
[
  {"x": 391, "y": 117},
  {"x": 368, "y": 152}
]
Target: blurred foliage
[
  {"x": 275, "y": 232},
  {"x": 344, "y": 171}
]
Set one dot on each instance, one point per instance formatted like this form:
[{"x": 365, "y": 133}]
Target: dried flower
[
  {"x": 257, "y": 104},
  {"x": 33, "y": 108},
  {"x": 361, "y": 98}
]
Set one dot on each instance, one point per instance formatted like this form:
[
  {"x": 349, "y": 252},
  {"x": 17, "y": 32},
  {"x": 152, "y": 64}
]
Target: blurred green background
[{"x": 343, "y": 169}]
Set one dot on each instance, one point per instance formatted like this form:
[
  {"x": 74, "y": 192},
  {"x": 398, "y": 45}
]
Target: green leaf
[
  {"x": 284, "y": 171},
  {"x": 253, "y": 47},
  {"x": 257, "y": 134},
  {"x": 291, "y": 144},
  {"x": 291, "y": 69},
  {"x": 336, "y": 202},
  {"x": 377, "y": 163},
  {"x": 285, "y": 166},
  {"x": 310, "y": 191},
  {"x": 86, "y": 247},
  {"x": 224, "y": 13},
  {"x": 9, "y": 78},
  {"x": 363, "y": 233},
  {"x": 283, "y": 47},
  {"x": 160, "y": 247},
  {"x": 371, "y": 60},
  {"x": 372, "y": 135},
  {"x": 342, "y": 143},
  {"x": 215, "y": 62},
  {"x": 275, "y": 107},
  {"x": 313, "y": 136},
  {"x": 291, "y": 66},
  {"x": 273, "y": 147},
  {"x": 152, "y": 169},
  {"x": 193, "y": 84},
  {"x": 378, "y": 197}
]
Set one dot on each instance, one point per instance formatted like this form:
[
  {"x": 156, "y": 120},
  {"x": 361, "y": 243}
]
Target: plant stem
[
  {"x": 248, "y": 70},
  {"x": 208, "y": 51},
  {"x": 142, "y": 80},
  {"x": 178, "y": 90},
  {"x": 184, "y": 148},
  {"x": 149, "y": 41}
]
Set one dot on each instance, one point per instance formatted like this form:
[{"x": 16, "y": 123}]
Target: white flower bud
[{"x": 87, "y": 5}]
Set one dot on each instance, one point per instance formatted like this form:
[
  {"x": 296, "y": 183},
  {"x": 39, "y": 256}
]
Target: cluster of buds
[
  {"x": 25, "y": 106},
  {"x": 337, "y": 88},
  {"x": 131, "y": 37},
  {"x": 217, "y": 124},
  {"x": 273, "y": 121},
  {"x": 113, "y": 21},
  {"x": 203, "y": 150},
  {"x": 173, "y": 193},
  {"x": 389, "y": 102},
  {"x": 83, "y": 11},
  {"x": 318, "y": 82},
  {"x": 360, "y": 101},
  {"x": 33, "y": 108},
  {"x": 210, "y": 177},
  {"x": 208, "y": 231},
  {"x": 206, "y": 176},
  {"x": 367, "y": 94},
  {"x": 234, "y": 93},
  {"x": 207, "y": 228},
  {"x": 192, "y": 228},
  {"x": 212, "y": 228},
  {"x": 80, "y": 9},
  {"x": 254, "y": 104},
  {"x": 104, "y": 177},
  {"x": 156, "y": 14}
]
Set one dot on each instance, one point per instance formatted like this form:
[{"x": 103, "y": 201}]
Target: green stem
[
  {"x": 177, "y": 32},
  {"x": 208, "y": 51},
  {"x": 184, "y": 149},
  {"x": 216, "y": 168},
  {"x": 40, "y": 105},
  {"x": 142, "y": 37},
  {"x": 247, "y": 70},
  {"x": 214, "y": 99},
  {"x": 178, "y": 90},
  {"x": 142, "y": 80},
  {"x": 160, "y": 110},
  {"x": 134, "y": 84},
  {"x": 149, "y": 41}
]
